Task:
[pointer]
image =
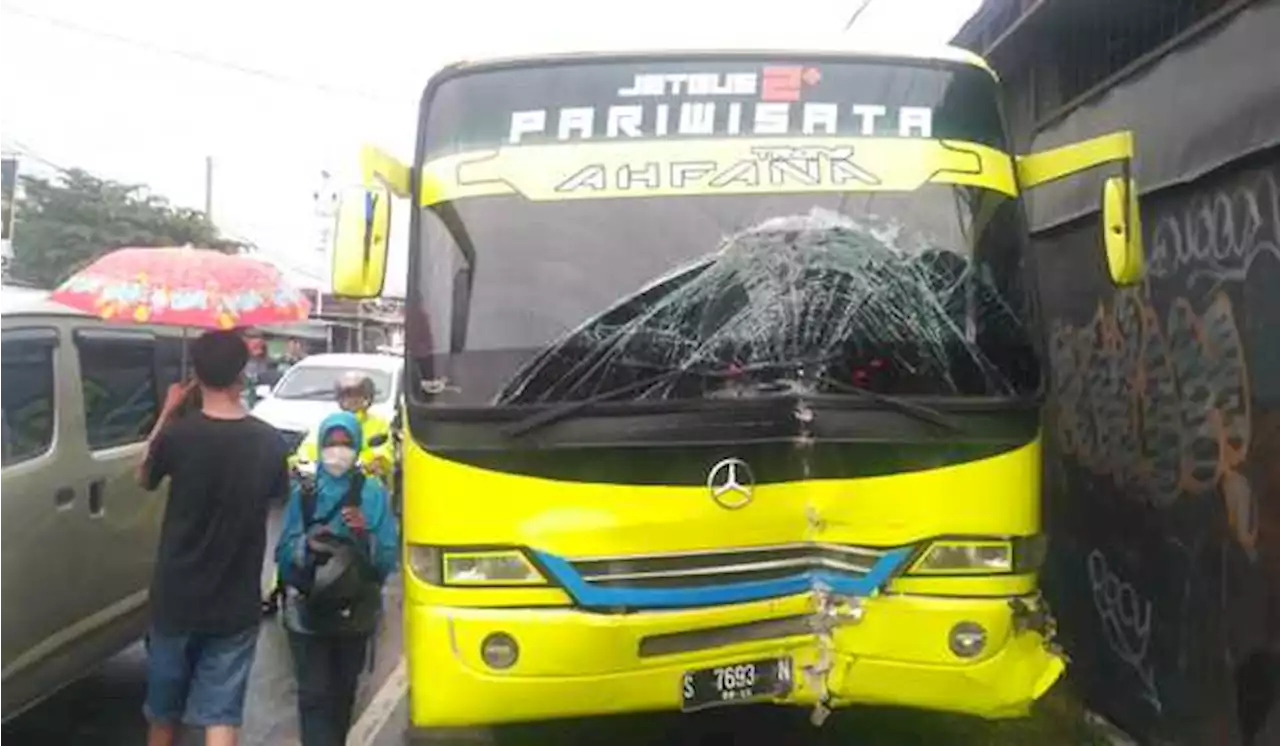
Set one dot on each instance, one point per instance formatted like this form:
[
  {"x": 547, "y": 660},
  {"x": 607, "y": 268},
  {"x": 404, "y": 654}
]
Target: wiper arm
[
  {"x": 555, "y": 414},
  {"x": 307, "y": 394},
  {"x": 905, "y": 406}
]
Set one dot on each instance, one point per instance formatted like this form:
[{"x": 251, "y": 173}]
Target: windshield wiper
[
  {"x": 555, "y": 414},
  {"x": 306, "y": 394},
  {"x": 905, "y": 406}
]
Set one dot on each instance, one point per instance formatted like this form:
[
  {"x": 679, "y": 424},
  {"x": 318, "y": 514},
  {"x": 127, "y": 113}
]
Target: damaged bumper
[{"x": 989, "y": 657}]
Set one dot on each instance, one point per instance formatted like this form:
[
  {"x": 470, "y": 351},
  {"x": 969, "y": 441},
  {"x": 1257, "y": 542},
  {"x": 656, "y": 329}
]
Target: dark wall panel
[
  {"x": 1163, "y": 474},
  {"x": 1204, "y": 105}
]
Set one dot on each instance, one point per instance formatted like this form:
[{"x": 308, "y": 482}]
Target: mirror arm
[
  {"x": 381, "y": 168},
  {"x": 1126, "y": 172},
  {"x": 370, "y": 209},
  {"x": 1050, "y": 165}
]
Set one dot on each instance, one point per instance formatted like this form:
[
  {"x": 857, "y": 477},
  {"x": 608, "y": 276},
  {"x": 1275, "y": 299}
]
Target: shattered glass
[{"x": 806, "y": 302}]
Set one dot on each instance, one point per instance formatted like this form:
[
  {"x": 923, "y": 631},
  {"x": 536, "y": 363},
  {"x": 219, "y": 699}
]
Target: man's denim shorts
[{"x": 198, "y": 680}]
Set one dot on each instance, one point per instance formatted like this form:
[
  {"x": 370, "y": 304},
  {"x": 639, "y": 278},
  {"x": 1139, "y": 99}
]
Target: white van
[{"x": 79, "y": 535}]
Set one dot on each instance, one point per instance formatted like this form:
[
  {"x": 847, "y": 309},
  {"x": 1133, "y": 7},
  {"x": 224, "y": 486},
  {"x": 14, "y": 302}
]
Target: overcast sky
[{"x": 276, "y": 90}]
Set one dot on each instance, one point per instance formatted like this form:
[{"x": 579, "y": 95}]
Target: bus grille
[{"x": 698, "y": 569}]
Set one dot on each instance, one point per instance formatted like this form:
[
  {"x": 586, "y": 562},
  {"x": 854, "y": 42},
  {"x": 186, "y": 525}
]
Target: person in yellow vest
[{"x": 355, "y": 392}]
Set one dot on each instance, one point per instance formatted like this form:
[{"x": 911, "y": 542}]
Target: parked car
[
  {"x": 79, "y": 534},
  {"x": 305, "y": 394}
]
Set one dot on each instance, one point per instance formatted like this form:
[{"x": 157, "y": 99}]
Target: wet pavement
[
  {"x": 106, "y": 707},
  {"x": 1056, "y": 723}
]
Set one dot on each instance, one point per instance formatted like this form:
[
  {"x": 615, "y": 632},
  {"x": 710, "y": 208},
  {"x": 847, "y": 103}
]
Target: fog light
[
  {"x": 967, "y": 639},
  {"x": 499, "y": 651}
]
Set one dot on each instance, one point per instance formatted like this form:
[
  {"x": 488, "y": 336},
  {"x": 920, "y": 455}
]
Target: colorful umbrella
[{"x": 183, "y": 287}]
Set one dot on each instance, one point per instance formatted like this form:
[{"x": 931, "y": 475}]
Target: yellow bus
[{"x": 724, "y": 383}]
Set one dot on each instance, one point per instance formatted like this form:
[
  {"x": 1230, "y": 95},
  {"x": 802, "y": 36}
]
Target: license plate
[{"x": 735, "y": 683}]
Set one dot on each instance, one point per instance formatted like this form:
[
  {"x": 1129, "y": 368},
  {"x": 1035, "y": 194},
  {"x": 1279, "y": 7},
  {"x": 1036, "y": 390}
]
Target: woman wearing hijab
[{"x": 337, "y": 547}]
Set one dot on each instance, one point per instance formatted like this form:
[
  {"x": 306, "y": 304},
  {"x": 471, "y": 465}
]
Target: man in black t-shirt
[{"x": 224, "y": 467}]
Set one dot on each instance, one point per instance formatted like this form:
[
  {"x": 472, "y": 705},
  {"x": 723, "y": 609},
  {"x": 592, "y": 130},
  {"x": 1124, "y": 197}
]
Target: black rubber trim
[{"x": 782, "y": 440}]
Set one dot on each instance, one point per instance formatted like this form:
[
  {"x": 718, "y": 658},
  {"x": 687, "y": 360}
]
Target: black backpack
[{"x": 341, "y": 593}]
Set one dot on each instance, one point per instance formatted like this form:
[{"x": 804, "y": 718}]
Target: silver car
[{"x": 79, "y": 534}]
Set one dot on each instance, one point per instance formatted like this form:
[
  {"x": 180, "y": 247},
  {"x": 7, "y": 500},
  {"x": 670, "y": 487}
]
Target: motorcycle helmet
[
  {"x": 355, "y": 391},
  {"x": 343, "y": 576}
]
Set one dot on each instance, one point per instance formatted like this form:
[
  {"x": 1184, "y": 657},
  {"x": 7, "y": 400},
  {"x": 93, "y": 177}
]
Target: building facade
[{"x": 1162, "y": 474}]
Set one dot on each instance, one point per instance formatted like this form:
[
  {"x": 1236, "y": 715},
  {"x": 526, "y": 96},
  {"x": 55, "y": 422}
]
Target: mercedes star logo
[{"x": 731, "y": 483}]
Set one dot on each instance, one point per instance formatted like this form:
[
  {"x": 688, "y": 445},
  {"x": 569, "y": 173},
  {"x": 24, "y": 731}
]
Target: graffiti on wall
[
  {"x": 1218, "y": 234},
  {"x": 1155, "y": 395},
  {"x": 1159, "y": 402},
  {"x": 1165, "y": 393},
  {"x": 1126, "y": 623}
]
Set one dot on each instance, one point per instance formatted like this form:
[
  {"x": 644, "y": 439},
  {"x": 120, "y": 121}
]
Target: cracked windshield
[{"x": 860, "y": 372}]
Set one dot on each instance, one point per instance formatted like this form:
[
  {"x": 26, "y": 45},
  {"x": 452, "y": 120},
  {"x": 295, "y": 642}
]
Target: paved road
[
  {"x": 1058, "y": 723},
  {"x": 105, "y": 708}
]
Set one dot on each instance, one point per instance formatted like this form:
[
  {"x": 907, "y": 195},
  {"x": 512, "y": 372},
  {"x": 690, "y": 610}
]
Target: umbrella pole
[{"x": 183, "y": 375}]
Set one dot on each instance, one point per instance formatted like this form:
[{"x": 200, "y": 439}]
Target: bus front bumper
[{"x": 886, "y": 650}]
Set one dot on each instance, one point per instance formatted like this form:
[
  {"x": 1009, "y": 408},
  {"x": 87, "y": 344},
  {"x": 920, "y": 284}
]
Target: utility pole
[
  {"x": 208, "y": 188},
  {"x": 325, "y": 200},
  {"x": 9, "y": 177}
]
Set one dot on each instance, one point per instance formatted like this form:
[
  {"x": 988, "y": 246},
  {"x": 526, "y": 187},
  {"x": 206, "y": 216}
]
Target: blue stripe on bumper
[{"x": 590, "y": 595}]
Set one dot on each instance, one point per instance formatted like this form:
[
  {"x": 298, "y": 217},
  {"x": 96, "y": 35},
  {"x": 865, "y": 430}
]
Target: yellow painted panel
[
  {"x": 658, "y": 168},
  {"x": 449, "y": 503}
]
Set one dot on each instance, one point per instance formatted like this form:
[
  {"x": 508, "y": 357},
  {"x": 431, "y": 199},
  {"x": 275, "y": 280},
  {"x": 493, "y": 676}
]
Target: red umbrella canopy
[{"x": 183, "y": 287}]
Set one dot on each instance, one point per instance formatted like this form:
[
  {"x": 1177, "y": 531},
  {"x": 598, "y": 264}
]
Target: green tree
[{"x": 63, "y": 224}]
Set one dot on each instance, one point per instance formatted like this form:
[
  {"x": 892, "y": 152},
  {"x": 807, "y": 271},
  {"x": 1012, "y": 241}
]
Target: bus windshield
[{"x": 587, "y": 227}]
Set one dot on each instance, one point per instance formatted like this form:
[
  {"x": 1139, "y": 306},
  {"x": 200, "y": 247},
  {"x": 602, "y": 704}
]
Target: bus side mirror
[
  {"x": 360, "y": 242},
  {"x": 262, "y": 392},
  {"x": 1122, "y": 231},
  {"x": 364, "y": 225},
  {"x": 1121, "y": 222}
]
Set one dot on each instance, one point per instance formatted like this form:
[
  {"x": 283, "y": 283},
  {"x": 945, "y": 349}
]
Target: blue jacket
[{"x": 292, "y": 553}]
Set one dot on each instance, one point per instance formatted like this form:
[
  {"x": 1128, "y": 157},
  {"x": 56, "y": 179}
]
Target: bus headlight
[
  {"x": 490, "y": 567},
  {"x": 1017, "y": 555},
  {"x": 954, "y": 557}
]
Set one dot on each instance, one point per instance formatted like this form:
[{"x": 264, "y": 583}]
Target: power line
[
  {"x": 857, "y": 13},
  {"x": 25, "y": 150},
  {"x": 236, "y": 67}
]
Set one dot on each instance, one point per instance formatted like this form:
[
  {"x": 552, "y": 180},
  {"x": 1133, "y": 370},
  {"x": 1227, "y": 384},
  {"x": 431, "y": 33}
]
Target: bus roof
[{"x": 934, "y": 53}]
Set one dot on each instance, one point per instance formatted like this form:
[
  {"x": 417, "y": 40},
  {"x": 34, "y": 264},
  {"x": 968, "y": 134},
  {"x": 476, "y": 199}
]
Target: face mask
[{"x": 338, "y": 460}]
